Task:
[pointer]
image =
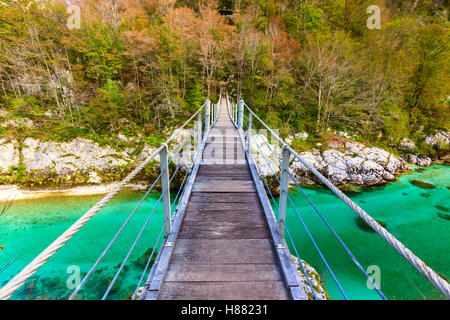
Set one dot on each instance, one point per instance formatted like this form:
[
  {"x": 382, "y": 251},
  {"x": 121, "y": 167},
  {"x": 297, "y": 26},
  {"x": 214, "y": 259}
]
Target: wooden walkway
[{"x": 224, "y": 249}]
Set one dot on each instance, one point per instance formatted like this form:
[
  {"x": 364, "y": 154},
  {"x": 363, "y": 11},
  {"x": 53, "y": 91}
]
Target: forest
[{"x": 141, "y": 66}]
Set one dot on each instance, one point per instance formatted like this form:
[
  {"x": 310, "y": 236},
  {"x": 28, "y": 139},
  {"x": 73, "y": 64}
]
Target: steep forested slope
[{"x": 140, "y": 66}]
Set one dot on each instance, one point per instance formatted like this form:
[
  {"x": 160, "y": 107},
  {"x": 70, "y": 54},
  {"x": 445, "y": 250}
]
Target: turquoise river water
[{"x": 414, "y": 215}]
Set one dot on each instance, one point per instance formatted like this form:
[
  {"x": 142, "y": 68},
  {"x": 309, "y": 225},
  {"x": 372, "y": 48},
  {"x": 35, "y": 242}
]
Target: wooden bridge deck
[{"x": 224, "y": 249}]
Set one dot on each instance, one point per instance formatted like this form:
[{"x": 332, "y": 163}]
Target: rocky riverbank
[
  {"x": 47, "y": 164},
  {"x": 39, "y": 164},
  {"x": 344, "y": 161}
]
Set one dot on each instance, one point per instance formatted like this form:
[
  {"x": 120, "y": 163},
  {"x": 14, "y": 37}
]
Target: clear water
[
  {"x": 411, "y": 216},
  {"x": 31, "y": 225},
  {"x": 409, "y": 211}
]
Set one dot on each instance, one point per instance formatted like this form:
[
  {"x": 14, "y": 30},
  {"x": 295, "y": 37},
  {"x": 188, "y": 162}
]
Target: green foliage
[
  {"x": 138, "y": 67},
  {"x": 195, "y": 96}
]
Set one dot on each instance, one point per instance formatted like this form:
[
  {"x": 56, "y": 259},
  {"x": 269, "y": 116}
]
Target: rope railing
[
  {"x": 108, "y": 247},
  {"x": 19, "y": 279},
  {"x": 237, "y": 115}
]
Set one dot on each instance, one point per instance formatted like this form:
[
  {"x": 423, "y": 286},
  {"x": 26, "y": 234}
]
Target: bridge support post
[
  {"x": 199, "y": 131},
  {"x": 241, "y": 114},
  {"x": 207, "y": 115},
  {"x": 249, "y": 134},
  {"x": 283, "y": 190},
  {"x": 164, "y": 165}
]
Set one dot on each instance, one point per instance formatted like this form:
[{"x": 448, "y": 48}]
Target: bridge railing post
[
  {"x": 241, "y": 114},
  {"x": 211, "y": 116},
  {"x": 199, "y": 131},
  {"x": 165, "y": 186},
  {"x": 249, "y": 132},
  {"x": 283, "y": 190},
  {"x": 207, "y": 111}
]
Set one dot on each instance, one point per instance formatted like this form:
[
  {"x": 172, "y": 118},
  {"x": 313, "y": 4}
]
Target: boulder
[
  {"x": 9, "y": 155},
  {"x": 419, "y": 160},
  {"x": 313, "y": 277},
  {"x": 440, "y": 140},
  {"x": 66, "y": 157},
  {"x": 357, "y": 165},
  {"x": 407, "y": 145}
]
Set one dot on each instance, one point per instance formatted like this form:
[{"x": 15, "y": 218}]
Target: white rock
[
  {"x": 344, "y": 134},
  {"x": 441, "y": 140},
  {"x": 123, "y": 138},
  {"x": 313, "y": 277},
  {"x": 419, "y": 160},
  {"x": 358, "y": 165},
  {"x": 407, "y": 145},
  {"x": 25, "y": 122},
  {"x": 9, "y": 155},
  {"x": 94, "y": 178},
  {"x": 65, "y": 157},
  {"x": 301, "y": 136},
  {"x": 145, "y": 153}
]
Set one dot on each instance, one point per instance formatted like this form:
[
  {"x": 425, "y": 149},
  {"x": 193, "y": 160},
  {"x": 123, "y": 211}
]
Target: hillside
[{"x": 136, "y": 68}]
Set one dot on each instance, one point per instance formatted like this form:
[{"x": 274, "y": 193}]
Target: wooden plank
[
  {"x": 221, "y": 168},
  {"x": 222, "y": 138},
  {"x": 236, "y": 161},
  {"x": 224, "y": 186},
  {"x": 224, "y": 230},
  {"x": 233, "y": 206},
  {"x": 214, "y": 215},
  {"x": 222, "y": 179},
  {"x": 273, "y": 290},
  {"x": 223, "y": 251},
  {"x": 227, "y": 272},
  {"x": 214, "y": 197}
]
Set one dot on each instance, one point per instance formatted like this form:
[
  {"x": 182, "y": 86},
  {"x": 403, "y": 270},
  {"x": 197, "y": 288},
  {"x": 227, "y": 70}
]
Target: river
[{"x": 412, "y": 214}]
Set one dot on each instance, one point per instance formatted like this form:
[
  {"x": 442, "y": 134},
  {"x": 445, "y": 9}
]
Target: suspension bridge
[{"x": 220, "y": 238}]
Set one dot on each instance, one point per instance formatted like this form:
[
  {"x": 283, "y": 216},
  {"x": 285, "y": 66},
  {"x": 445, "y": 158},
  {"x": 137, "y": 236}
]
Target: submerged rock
[
  {"x": 364, "y": 226},
  {"x": 443, "y": 215},
  {"x": 141, "y": 262},
  {"x": 423, "y": 184},
  {"x": 442, "y": 208},
  {"x": 425, "y": 195}
]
